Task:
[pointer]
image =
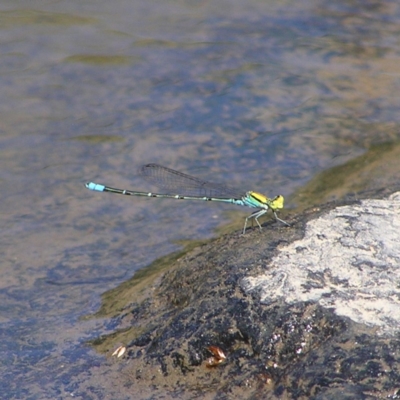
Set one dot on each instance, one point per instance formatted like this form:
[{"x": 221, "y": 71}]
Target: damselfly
[{"x": 191, "y": 188}]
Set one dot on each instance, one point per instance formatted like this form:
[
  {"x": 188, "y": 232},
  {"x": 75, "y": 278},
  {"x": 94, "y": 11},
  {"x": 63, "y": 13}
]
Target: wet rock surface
[{"x": 200, "y": 333}]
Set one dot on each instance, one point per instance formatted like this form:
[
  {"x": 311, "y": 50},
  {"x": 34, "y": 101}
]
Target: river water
[{"x": 260, "y": 95}]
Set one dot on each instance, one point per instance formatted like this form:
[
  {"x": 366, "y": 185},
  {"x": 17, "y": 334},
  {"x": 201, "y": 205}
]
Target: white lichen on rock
[{"x": 348, "y": 260}]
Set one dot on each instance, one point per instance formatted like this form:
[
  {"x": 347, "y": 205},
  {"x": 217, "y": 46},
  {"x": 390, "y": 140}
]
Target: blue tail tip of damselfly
[{"x": 95, "y": 186}]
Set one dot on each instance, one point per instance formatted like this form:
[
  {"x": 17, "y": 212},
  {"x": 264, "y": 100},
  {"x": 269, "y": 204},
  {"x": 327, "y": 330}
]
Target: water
[{"x": 259, "y": 95}]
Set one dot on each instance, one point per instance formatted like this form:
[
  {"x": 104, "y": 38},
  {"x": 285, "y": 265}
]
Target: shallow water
[{"x": 260, "y": 95}]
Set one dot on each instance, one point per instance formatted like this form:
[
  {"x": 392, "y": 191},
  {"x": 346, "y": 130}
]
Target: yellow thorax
[{"x": 275, "y": 204}]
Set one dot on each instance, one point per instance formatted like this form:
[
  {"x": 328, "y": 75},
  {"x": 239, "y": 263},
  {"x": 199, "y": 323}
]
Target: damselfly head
[{"x": 277, "y": 202}]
